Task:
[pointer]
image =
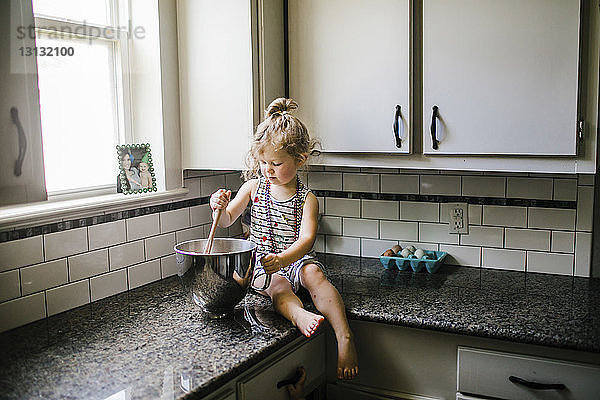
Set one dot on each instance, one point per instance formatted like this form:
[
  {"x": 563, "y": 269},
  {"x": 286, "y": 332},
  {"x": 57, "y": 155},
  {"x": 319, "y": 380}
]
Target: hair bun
[{"x": 279, "y": 106}]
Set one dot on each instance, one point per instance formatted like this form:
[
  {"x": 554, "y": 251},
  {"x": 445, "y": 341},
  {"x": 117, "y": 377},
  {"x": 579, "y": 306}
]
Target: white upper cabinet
[
  {"x": 349, "y": 72},
  {"x": 503, "y": 74},
  {"x": 21, "y": 162}
]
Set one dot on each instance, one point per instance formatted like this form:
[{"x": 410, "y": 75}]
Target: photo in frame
[{"x": 136, "y": 171}]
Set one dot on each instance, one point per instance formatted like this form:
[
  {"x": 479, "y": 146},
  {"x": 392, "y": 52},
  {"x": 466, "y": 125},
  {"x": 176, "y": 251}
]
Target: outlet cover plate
[{"x": 458, "y": 218}]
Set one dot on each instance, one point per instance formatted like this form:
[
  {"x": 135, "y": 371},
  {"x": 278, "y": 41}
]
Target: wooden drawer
[
  {"x": 487, "y": 373},
  {"x": 263, "y": 384}
]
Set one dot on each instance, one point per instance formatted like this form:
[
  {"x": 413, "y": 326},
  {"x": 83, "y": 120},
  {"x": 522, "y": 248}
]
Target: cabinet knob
[
  {"x": 14, "y": 116},
  {"x": 398, "y": 126},
  {"x": 434, "y": 117},
  {"x": 536, "y": 385}
]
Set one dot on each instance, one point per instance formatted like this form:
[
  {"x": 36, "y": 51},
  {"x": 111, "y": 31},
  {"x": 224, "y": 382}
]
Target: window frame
[{"x": 120, "y": 10}]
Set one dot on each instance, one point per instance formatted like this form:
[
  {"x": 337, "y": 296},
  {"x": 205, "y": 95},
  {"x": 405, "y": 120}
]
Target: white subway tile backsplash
[
  {"x": 342, "y": 207},
  {"x": 319, "y": 245},
  {"x": 168, "y": 266},
  {"x": 529, "y": 188},
  {"x": 440, "y": 185},
  {"x": 234, "y": 181},
  {"x": 563, "y": 242},
  {"x": 551, "y": 218},
  {"x": 380, "y": 209},
  {"x": 43, "y": 276},
  {"x": 210, "y": 184},
  {"x": 505, "y": 216},
  {"x": 403, "y": 184},
  {"x": 142, "y": 227},
  {"x": 550, "y": 263},
  {"x": 200, "y": 215},
  {"x": 583, "y": 254},
  {"x": 88, "y": 264},
  {"x": 22, "y": 311},
  {"x": 10, "y": 285},
  {"x": 342, "y": 245},
  {"x": 159, "y": 246},
  {"x": 174, "y": 220},
  {"x": 565, "y": 189},
  {"x": 527, "y": 239},
  {"x": 18, "y": 253},
  {"x": 585, "y": 179},
  {"x": 503, "y": 259},
  {"x": 126, "y": 254},
  {"x": 399, "y": 230},
  {"x": 436, "y": 233},
  {"x": 330, "y": 225},
  {"x": 585, "y": 208},
  {"x": 325, "y": 181},
  {"x": 483, "y": 236},
  {"x": 190, "y": 234},
  {"x": 417, "y": 211},
  {"x": 368, "y": 228},
  {"x": 142, "y": 274},
  {"x": 462, "y": 255},
  {"x": 374, "y": 247},
  {"x": 473, "y": 213},
  {"x": 106, "y": 285},
  {"x": 108, "y": 234},
  {"x": 69, "y": 296},
  {"x": 483, "y": 186},
  {"x": 65, "y": 243},
  {"x": 360, "y": 183},
  {"x": 193, "y": 185}
]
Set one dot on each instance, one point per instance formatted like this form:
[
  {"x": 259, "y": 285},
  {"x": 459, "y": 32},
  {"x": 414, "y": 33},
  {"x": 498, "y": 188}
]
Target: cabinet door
[
  {"x": 349, "y": 69},
  {"x": 21, "y": 161},
  {"x": 503, "y": 74},
  {"x": 217, "y": 87}
]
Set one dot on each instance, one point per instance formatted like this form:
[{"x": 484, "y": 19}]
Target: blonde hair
[{"x": 282, "y": 131}]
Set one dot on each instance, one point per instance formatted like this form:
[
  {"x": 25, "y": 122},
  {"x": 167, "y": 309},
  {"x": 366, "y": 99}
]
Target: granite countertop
[{"x": 153, "y": 343}]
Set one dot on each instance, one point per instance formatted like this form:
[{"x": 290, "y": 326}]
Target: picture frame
[{"x": 136, "y": 170}]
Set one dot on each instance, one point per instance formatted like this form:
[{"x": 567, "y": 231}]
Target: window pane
[
  {"x": 78, "y": 110},
  {"x": 90, "y": 11}
]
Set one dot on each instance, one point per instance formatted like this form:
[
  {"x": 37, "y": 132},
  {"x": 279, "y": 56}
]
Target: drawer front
[
  {"x": 263, "y": 385},
  {"x": 486, "y": 373}
]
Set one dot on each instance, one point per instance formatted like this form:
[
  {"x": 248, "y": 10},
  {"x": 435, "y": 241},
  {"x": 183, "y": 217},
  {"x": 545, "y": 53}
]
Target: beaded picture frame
[{"x": 136, "y": 171}]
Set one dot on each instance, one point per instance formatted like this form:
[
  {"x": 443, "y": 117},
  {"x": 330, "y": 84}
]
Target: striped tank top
[{"x": 277, "y": 233}]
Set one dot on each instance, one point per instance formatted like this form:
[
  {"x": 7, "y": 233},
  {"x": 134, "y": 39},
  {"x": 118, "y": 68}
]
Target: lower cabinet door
[
  {"x": 493, "y": 374},
  {"x": 263, "y": 384}
]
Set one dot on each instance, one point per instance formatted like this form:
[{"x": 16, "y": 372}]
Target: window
[{"x": 83, "y": 72}]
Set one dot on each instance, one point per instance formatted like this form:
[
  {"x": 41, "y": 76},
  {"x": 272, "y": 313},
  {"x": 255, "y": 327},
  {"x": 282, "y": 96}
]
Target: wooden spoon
[{"x": 211, "y": 235}]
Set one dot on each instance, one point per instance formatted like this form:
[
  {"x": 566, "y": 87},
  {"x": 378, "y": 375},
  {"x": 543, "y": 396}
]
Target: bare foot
[
  {"x": 347, "y": 365},
  {"x": 307, "y": 322},
  {"x": 296, "y": 390}
]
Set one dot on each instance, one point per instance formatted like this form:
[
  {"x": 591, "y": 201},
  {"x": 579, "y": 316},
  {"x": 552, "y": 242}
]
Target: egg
[
  {"x": 419, "y": 253},
  {"x": 405, "y": 253},
  {"x": 411, "y": 248},
  {"x": 396, "y": 249},
  {"x": 389, "y": 253}
]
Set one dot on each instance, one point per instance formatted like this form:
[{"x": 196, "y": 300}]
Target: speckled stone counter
[{"x": 151, "y": 343}]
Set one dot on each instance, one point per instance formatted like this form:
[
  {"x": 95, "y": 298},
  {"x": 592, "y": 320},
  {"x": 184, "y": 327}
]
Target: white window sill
[{"x": 54, "y": 211}]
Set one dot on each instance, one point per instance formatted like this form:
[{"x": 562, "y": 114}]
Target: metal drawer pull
[
  {"x": 434, "y": 117},
  {"x": 14, "y": 115},
  {"x": 398, "y": 126},
  {"x": 536, "y": 385}
]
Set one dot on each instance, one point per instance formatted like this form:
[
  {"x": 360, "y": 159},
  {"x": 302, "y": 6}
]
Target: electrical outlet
[{"x": 459, "y": 218}]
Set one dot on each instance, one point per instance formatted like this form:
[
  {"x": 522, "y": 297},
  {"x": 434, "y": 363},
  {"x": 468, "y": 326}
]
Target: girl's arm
[
  {"x": 235, "y": 207},
  {"x": 306, "y": 238}
]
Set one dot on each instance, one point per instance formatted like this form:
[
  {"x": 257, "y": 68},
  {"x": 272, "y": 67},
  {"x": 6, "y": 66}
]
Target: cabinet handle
[
  {"x": 536, "y": 385},
  {"x": 434, "y": 117},
  {"x": 14, "y": 116},
  {"x": 398, "y": 126},
  {"x": 290, "y": 381}
]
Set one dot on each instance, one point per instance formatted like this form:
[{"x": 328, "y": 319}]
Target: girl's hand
[
  {"x": 271, "y": 263},
  {"x": 220, "y": 199}
]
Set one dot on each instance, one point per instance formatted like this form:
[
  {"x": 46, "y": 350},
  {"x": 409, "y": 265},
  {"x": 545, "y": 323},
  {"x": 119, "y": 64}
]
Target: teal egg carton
[{"x": 417, "y": 264}]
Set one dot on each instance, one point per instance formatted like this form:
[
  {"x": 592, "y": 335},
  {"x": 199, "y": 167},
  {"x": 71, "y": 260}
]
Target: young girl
[{"x": 284, "y": 227}]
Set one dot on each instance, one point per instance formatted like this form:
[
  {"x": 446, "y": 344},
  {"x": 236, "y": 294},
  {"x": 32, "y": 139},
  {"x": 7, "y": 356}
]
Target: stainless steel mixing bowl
[{"x": 219, "y": 280}]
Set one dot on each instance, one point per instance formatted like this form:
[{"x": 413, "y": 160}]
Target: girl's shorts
[{"x": 291, "y": 273}]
